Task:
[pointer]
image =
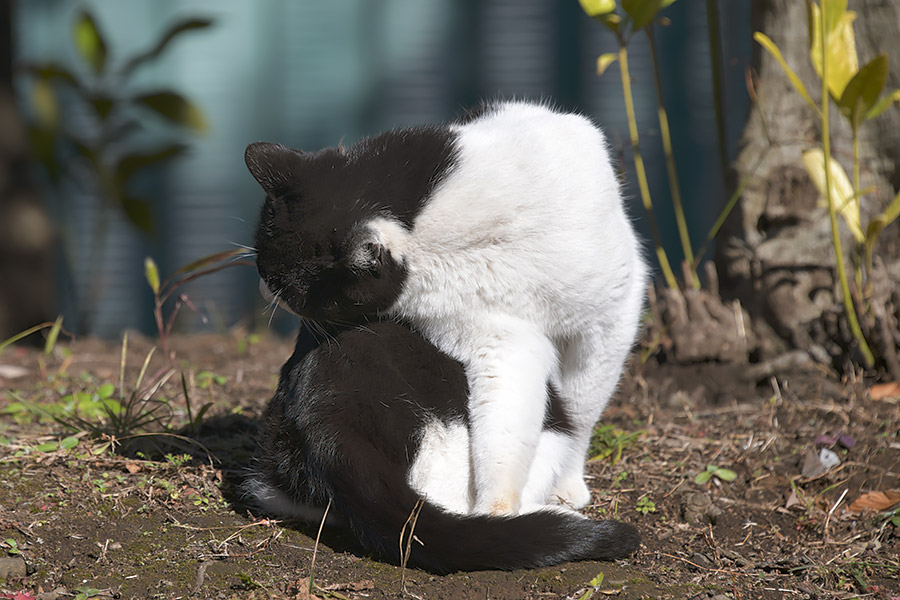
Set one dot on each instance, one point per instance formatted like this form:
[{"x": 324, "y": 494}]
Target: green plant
[
  {"x": 645, "y": 505},
  {"x": 163, "y": 291},
  {"x": 595, "y": 584},
  {"x": 857, "y": 93},
  {"x": 177, "y": 460},
  {"x": 107, "y": 151},
  {"x": 609, "y": 441},
  {"x": 85, "y": 592},
  {"x": 711, "y": 471},
  {"x": 12, "y": 546},
  {"x": 638, "y": 14}
]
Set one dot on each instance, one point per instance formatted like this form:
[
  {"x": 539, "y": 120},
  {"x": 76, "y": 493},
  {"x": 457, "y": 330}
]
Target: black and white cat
[
  {"x": 503, "y": 240},
  {"x": 374, "y": 419}
]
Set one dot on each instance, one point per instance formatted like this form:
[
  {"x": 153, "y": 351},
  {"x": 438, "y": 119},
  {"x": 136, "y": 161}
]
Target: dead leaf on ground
[
  {"x": 875, "y": 501},
  {"x": 132, "y": 467},
  {"x": 357, "y": 586},
  {"x": 885, "y": 391}
]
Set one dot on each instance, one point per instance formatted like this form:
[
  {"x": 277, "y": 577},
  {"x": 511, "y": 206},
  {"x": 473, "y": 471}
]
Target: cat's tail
[
  {"x": 444, "y": 542},
  {"x": 378, "y": 505}
]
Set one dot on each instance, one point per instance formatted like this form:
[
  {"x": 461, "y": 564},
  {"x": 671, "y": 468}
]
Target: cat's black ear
[{"x": 274, "y": 166}]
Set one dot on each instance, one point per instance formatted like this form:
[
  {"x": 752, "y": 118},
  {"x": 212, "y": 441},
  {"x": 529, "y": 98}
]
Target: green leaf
[
  {"x": 595, "y": 8},
  {"x": 129, "y": 164},
  {"x": 139, "y": 213},
  {"x": 840, "y": 45},
  {"x": 106, "y": 390},
  {"x": 47, "y": 447},
  {"x": 887, "y": 217},
  {"x": 764, "y": 41},
  {"x": 604, "y": 60},
  {"x": 703, "y": 477},
  {"x": 863, "y": 89},
  {"x": 49, "y": 71},
  {"x": 53, "y": 335},
  {"x": 175, "y": 108},
  {"x": 726, "y": 474},
  {"x": 45, "y": 105},
  {"x": 151, "y": 272},
  {"x": 882, "y": 105},
  {"x": 642, "y": 11},
  {"x": 89, "y": 41},
  {"x": 174, "y": 31},
  {"x": 69, "y": 442}
]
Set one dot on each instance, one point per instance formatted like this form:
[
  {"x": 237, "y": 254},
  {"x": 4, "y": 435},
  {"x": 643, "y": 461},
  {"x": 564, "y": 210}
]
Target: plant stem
[
  {"x": 640, "y": 172},
  {"x": 857, "y": 191},
  {"x": 832, "y": 213},
  {"x": 715, "y": 53},
  {"x": 674, "y": 188}
]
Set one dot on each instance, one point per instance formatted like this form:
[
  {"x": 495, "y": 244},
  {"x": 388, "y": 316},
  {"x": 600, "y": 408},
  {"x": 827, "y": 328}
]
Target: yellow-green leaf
[
  {"x": 845, "y": 201},
  {"x": 863, "y": 89},
  {"x": 53, "y": 335},
  {"x": 612, "y": 21},
  {"x": 151, "y": 272},
  {"x": 840, "y": 47},
  {"x": 175, "y": 108},
  {"x": 889, "y": 215},
  {"x": 89, "y": 41},
  {"x": 642, "y": 11},
  {"x": 604, "y": 60},
  {"x": 764, "y": 41},
  {"x": 882, "y": 105},
  {"x": 46, "y": 108},
  {"x": 594, "y": 8}
]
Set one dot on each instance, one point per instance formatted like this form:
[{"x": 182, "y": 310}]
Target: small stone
[
  {"x": 698, "y": 508},
  {"x": 12, "y": 567},
  {"x": 701, "y": 559}
]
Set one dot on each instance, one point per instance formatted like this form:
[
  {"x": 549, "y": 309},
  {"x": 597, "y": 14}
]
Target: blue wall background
[{"x": 312, "y": 73}]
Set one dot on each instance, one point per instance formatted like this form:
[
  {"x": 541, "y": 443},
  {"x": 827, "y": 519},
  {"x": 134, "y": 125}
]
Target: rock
[
  {"x": 698, "y": 508},
  {"x": 12, "y": 567},
  {"x": 701, "y": 559}
]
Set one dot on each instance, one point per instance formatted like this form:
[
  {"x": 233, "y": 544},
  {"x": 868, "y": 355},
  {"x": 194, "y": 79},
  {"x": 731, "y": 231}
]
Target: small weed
[
  {"x": 12, "y": 546},
  {"x": 246, "y": 342},
  {"x": 177, "y": 460},
  {"x": 713, "y": 471},
  {"x": 595, "y": 584},
  {"x": 86, "y": 592},
  {"x": 620, "y": 477},
  {"x": 645, "y": 505},
  {"x": 609, "y": 441},
  {"x": 205, "y": 379}
]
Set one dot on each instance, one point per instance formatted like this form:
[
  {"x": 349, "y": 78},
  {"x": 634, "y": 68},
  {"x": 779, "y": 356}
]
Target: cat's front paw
[{"x": 573, "y": 493}]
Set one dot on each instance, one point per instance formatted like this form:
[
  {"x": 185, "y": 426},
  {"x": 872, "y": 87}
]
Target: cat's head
[{"x": 324, "y": 247}]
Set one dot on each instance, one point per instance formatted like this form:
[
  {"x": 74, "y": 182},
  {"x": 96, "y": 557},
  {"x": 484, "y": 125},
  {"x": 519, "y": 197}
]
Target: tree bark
[
  {"x": 27, "y": 239},
  {"x": 775, "y": 254}
]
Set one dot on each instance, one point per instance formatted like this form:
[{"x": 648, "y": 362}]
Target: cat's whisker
[
  {"x": 274, "y": 306},
  {"x": 250, "y": 248}
]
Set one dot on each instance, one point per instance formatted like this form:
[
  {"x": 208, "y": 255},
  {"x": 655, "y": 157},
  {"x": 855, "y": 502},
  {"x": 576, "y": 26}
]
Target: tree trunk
[
  {"x": 775, "y": 254},
  {"x": 27, "y": 240}
]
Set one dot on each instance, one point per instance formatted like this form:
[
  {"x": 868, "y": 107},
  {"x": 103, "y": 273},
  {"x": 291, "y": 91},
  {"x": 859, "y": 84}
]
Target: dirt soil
[{"x": 164, "y": 520}]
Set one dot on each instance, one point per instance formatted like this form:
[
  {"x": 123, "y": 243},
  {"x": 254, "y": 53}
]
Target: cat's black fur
[
  {"x": 392, "y": 173},
  {"x": 344, "y": 427}
]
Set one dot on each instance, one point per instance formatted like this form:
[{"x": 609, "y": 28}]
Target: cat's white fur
[{"x": 524, "y": 267}]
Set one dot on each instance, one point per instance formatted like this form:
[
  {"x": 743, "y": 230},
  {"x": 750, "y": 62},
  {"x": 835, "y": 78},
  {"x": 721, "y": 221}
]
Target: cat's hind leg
[
  {"x": 590, "y": 367},
  {"x": 507, "y": 373}
]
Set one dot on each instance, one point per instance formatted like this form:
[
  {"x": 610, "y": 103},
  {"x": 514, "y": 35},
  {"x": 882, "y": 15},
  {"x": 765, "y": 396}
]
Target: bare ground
[{"x": 81, "y": 520}]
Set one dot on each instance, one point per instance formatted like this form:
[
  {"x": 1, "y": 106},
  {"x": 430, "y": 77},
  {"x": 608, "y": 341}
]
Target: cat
[
  {"x": 374, "y": 419},
  {"x": 503, "y": 239}
]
